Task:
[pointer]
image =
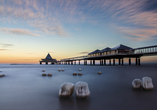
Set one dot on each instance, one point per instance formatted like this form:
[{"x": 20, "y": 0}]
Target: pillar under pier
[
  {"x": 93, "y": 62},
  {"x": 136, "y": 60},
  {"x": 104, "y": 61},
  {"x": 129, "y": 61},
  {"x": 90, "y": 62},
  {"x": 122, "y": 61},
  {"x": 119, "y": 61},
  {"x": 75, "y": 62},
  {"x": 113, "y": 61},
  {"x": 139, "y": 61}
]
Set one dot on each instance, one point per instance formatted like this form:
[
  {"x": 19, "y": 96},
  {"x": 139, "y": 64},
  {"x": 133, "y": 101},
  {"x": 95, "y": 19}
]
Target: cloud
[
  {"x": 137, "y": 39},
  {"x": 30, "y": 53},
  {"x": 2, "y": 49},
  {"x": 7, "y": 45},
  {"x": 48, "y": 16},
  {"x": 102, "y": 45},
  {"x": 138, "y": 34},
  {"x": 18, "y": 31},
  {"x": 26, "y": 59},
  {"x": 84, "y": 52},
  {"x": 50, "y": 28},
  {"x": 18, "y": 2}
]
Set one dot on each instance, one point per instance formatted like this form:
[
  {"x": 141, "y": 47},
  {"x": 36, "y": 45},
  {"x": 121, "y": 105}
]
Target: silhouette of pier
[
  {"x": 48, "y": 59},
  {"x": 119, "y": 52}
]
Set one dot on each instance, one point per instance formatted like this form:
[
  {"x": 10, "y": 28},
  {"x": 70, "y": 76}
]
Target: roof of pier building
[
  {"x": 96, "y": 51},
  {"x": 106, "y": 49},
  {"x": 121, "y": 47},
  {"x": 48, "y": 56}
]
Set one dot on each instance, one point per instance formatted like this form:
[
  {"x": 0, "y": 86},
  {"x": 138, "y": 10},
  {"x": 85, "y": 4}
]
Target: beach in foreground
[{"x": 24, "y": 87}]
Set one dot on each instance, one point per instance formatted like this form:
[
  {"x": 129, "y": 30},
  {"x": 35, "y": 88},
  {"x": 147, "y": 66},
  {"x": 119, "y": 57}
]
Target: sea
[{"x": 24, "y": 88}]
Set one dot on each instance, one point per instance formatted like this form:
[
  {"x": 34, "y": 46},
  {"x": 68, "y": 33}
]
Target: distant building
[{"x": 48, "y": 59}]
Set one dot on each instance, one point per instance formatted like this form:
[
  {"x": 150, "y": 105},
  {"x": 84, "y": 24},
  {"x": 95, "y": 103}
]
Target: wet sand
[{"x": 23, "y": 88}]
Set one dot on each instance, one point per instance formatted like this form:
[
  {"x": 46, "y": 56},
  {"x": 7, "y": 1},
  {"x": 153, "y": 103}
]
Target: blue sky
[{"x": 29, "y": 29}]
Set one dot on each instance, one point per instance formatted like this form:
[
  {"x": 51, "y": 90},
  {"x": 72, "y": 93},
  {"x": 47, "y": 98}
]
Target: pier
[{"x": 111, "y": 54}]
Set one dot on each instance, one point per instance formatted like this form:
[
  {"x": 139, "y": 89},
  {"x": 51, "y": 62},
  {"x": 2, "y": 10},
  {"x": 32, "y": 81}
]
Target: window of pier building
[
  {"x": 104, "y": 53},
  {"x": 113, "y": 52},
  {"x": 108, "y": 53},
  {"x": 98, "y": 54}
]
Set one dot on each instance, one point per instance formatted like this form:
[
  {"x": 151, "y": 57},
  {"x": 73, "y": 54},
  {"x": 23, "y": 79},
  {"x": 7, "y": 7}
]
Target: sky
[{"x": 30, "y": 29}]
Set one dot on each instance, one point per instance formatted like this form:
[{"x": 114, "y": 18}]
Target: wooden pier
[{"x": 119, "y": 52}]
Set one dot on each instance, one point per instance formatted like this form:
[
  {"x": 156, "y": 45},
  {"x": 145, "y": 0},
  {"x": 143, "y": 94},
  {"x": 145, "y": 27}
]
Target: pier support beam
[
  {"x": 113, "y": 61},
  {"x": 84, "y": 62},
  {"x": 110, "y": 62},
  {"x": 46, "y": 63},
  {"x": 100, "y": 62},
  {"x": 75, "y": 62},
  {"x": 104, "y": 61},
  {"x": 119, "y": 61},
  {"x": 122, "y": 61},
  {"x": 40, "y": 63},
  {"x": 136, "y": 60},
  {"x": 71, "y": 62},
  {"x": 79, "y": 62},
  {"x": 129, "y": 61},
  {"x": 139, "y": 61},
  {"x": 90, "y": 62},
  {"x": 93, "y": 62}
]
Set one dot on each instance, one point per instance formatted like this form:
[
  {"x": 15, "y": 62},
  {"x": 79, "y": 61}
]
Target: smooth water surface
[{"x": 23, "y": 87}]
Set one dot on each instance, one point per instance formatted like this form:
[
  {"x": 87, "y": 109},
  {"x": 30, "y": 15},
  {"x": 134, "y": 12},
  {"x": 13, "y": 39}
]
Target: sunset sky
[{"x": 29, "y": 29}]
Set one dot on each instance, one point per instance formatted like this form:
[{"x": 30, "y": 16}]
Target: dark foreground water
[{"x": 23, "y": 88}]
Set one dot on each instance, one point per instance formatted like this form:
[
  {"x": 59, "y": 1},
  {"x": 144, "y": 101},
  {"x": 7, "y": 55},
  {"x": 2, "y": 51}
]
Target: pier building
[{"x": 48, "y": 59}]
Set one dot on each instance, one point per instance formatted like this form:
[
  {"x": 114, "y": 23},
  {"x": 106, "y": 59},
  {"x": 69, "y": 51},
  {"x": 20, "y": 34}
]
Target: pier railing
[
  {"x": 74, "y": 58},
  {"x": 149, "y": 49}
]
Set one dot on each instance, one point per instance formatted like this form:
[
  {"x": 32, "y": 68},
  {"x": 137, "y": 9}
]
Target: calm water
[{"x": 23, "y": 88}]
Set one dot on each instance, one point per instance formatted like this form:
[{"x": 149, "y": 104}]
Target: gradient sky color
[{"x": 29, "y": 29}]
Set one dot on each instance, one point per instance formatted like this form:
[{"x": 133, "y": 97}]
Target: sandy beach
[{"x": 24, "y": 87}]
